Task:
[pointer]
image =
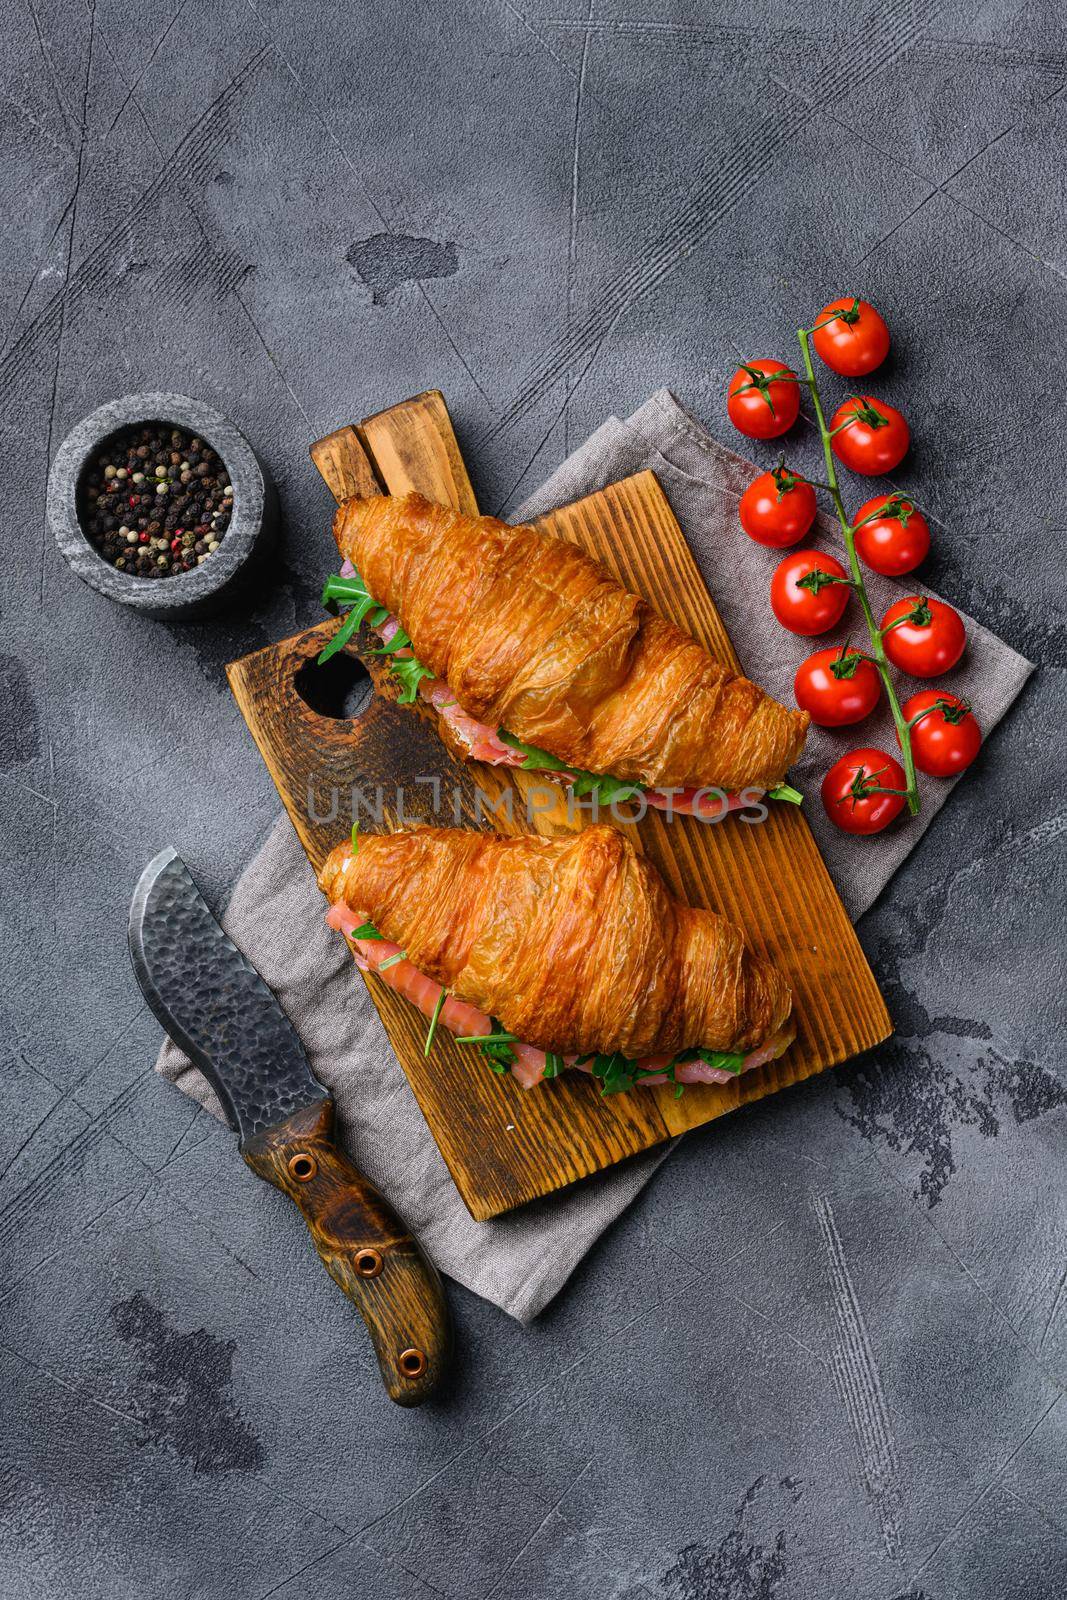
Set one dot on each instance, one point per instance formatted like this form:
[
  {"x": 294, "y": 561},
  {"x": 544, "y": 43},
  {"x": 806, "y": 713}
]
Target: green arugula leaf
[
  {"x": 784, "y": 791},
  {"x": 553, "y": 1065},
  {"x": 410, "y": 672},
  {"x": 352, "y": 591},
  {"x": 340, "y": 638},
  {"x": 605, "y": 788},
  {"x": 722, "y": 1060},
  {"x": 366, "y": 930},
  {"x": 537, "y": 760},
  {"x": 495, "y": 1046},
  {"x": 399, "y": 641},
  {"x": 441, "y": 998},
  {"x": 617, "y": 1072}
]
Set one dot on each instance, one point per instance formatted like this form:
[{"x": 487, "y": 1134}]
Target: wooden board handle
[
  {"x": 411, "y": 446},
  {"x": 364, "y": 1247},
  {"x": 414, "y": 446},
  {"x": 345, "y": 466}
]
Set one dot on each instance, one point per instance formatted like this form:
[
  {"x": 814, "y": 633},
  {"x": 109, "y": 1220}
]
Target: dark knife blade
[
  {"x": 217, "y": 1008},
  {"x": 213, "y": 1003}
]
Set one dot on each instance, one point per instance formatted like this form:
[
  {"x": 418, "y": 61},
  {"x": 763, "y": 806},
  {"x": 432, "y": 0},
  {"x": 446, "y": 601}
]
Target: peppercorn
[{"x": 155, "y": 502}]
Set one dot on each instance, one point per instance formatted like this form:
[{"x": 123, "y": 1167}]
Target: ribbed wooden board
[{"x": 504, "y": 1146}]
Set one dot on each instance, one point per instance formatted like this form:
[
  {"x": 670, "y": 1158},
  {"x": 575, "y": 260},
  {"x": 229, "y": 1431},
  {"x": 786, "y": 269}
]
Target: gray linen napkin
[{"x": 276, "y": 914}]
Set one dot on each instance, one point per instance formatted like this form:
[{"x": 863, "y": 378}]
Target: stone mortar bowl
[{"x": 186, "y": 595}]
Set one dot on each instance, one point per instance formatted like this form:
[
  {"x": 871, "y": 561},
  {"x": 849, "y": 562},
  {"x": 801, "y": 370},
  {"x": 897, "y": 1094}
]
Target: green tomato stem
[{"x": 878, "y": 653}]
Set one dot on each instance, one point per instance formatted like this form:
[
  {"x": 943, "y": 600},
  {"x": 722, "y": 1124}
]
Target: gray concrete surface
[{"x": 824, "y": 1354}]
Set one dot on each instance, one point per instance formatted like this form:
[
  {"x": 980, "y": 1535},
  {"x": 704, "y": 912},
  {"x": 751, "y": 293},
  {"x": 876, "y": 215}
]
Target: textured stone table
[{"x": 823, "y": 1356}]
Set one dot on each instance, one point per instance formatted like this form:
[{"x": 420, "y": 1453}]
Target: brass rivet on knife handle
[
  {"x": 364, "y": 1246},
  {"x": 344, "y": 465}
]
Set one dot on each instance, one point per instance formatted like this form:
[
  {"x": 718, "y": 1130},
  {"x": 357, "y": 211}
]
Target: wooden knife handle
[{"x": 364, "y": 1247}]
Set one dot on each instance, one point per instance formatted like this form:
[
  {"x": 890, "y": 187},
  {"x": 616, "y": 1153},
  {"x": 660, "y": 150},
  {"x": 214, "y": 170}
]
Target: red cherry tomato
[
  {"x": 764, "y": 399},
  {"x": 850, "y": 791},
  {"x": 876, "y": 441},
  {"x": 929, "y": 642},
  {"x": 895, "y": 540},
  {"x": 778, "y": 508},
  {"x": 947, "y": 738},
  {"x": 805, "y": 603},
  {"x": 837, "y": 687},
  {"x": 853, "y": 339}
]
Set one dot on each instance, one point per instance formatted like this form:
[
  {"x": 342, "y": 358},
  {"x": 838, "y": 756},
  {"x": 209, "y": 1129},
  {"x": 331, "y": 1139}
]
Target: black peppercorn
[{"x": 155, "y": 501}]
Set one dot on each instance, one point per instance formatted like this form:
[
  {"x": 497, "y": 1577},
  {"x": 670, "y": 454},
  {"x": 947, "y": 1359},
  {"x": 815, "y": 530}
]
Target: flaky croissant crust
[
  {"x": 531, "y": 634},
  {"x": 575, "y": 944}
]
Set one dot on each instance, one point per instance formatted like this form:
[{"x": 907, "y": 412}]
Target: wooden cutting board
[{"x": 504, "y": 1145}]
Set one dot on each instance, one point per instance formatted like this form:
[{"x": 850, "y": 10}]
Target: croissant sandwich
[
  {"x": 553, "y": 953},
  {"x": 535, "y": 656}
]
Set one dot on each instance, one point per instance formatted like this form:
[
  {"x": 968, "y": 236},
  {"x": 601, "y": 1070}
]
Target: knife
[{"x": 217, "y": 1008}]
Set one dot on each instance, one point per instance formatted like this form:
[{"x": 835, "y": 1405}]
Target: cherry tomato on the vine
[
  {"x": 778, "y": 508},
  {"x": 876, "y": 438},
  {"x": 809, "y": 592},
  {"x": 764, "y": 399},
  {"x": 923, "y": 636},
  {"x": 837, "y": 687},
  {"x": 853, "y": 339},
  {"x": 851, "y": 791},
  {"x": 896, "y": 538},
  {"x": 947, "y": 737}
]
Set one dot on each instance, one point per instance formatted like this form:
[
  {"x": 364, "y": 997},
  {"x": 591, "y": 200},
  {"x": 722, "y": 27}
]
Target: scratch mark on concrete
[
  {"x": 71, "y": 1389},
  {"x": 41, "y": 259},
  {"x": 30, "y": 1136},
  {"x": 291, "y": 1577},
  {"x": 29, "y": 117},
  {"x": 560, "y": 411},
  {"x": 942, "y": 187},
  {"x": 914, "y": 212},
  {"x": 994, "y": 1305},
  {"x": 494, "y": 1587},
  {"x": 524, "y": 22},
  {"x": 327, "y": 127},
  {"x": 939, "y": 188},
  {"x": 179, "y": 1154},
  {"x": 859, "y": 1383},
  {"x": 572, "y": 238},
  {"x": 52, "y": 78},
  {"x": 723, "y": 180},
  {"x": 168, "y": 1158},
  {"x": 1057, "y": 1297},
  {"x": 782, "y": 41},
  {"x": 980, "y": 1496},
  {"x": 194, "y": 148},
  {"x": 63, "y": 1249},
  {"x": 144, "y": 68},
  {"x": 68, "y": 1161},
  {"x": 195, "y": 151},
  {"x": 775, "y": 1322}
]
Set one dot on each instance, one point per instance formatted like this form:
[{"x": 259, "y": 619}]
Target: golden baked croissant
[
  {"x": 532, "y": 636},
  {"x": 573, "y": 943}
]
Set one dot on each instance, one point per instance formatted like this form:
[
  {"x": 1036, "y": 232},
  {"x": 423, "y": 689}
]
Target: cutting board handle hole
[{"x": 340, "y": 689}]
